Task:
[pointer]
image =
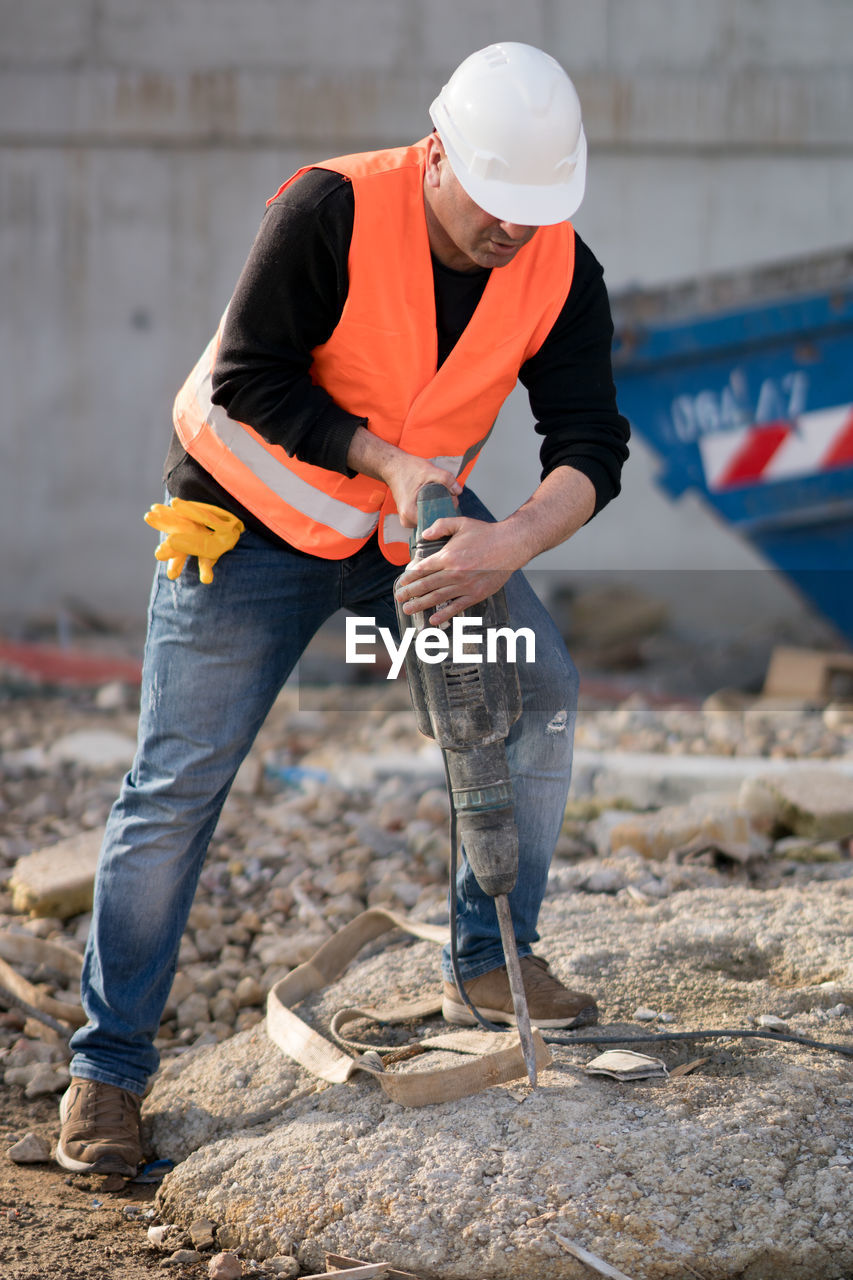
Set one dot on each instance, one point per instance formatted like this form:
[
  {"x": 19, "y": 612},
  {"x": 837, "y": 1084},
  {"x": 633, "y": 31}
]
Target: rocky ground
[{"x": 340, "y": 806}]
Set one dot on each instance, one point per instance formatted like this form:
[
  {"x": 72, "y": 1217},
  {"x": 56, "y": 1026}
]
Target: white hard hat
[{"x": 510, "y": 121}]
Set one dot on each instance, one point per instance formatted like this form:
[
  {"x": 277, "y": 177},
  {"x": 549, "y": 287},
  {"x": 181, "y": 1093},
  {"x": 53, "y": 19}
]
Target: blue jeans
[{"x": 216, "y": 659}]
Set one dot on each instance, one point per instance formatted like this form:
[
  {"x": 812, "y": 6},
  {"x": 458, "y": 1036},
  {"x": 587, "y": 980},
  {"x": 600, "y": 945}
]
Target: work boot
[
  {"x": 100, "y": 1130},
  {"x": 549, "y": 1003}
]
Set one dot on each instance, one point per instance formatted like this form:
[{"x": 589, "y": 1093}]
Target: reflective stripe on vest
[
  {"x": 380, "y": 364},
  {"x": 249, "y": 449}
]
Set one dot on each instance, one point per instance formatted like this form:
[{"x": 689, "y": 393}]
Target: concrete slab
[
  {"x": 57, "y": 881},
  {"x": 647, "y": 779}
]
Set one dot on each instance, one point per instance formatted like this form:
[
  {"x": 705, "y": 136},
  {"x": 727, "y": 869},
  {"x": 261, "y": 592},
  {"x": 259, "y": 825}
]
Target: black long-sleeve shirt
[{"x": 289, "y": 299}]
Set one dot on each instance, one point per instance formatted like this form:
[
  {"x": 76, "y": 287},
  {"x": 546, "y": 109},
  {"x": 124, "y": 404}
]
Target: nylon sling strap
[{"x": 410, "y": 1088}]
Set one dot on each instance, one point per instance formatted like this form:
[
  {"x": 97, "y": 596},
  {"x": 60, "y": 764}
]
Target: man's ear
[{"x": 434, "y": 156}]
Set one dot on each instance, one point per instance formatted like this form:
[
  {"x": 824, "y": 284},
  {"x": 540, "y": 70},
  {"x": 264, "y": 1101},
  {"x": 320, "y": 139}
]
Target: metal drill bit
[{"x": 516, "y": 986}]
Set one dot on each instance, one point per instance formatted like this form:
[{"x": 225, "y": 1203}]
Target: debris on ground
[
  {"x": 341, "y": 808},
  {"x": 57, "y": 881}
]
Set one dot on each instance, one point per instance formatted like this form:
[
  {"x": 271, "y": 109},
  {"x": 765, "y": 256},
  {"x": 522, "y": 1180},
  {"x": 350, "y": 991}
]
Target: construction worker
[{"x": 390, "y": 303}]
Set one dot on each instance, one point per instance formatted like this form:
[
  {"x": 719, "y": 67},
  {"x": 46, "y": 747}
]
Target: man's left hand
[{"x": 473, "y": 565}]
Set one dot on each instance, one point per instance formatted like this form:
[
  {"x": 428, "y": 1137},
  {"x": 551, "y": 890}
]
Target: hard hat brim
[{"x": 528, "y": 206}]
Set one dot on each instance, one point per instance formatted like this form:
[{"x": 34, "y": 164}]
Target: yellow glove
[{"x": 193, "y": 529}]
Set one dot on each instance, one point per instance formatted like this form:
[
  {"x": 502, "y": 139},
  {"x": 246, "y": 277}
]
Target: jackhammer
[{"x": 469, "y": 708}]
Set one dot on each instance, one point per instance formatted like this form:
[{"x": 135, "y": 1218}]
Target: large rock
[
  {"x": 57, "y": 881},
  {"x": 815, "y": 802},
  {"x": 741, "y": 1168},
  {"x": 707, "y": 821}
]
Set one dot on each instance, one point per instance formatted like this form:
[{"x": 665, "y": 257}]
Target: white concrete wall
[{"x": 140, "y": 138}]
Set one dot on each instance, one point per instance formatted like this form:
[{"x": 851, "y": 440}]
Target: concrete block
[
  {"x": 817, "y": 803},
  {"x": 808, "y": 673},
  {"x": 44, "y": 33},
  {"x": 57, "y": 881},
  {"x": 191, "y": 35},
  {"x": 710, "y": 821},
  {"x": 646, "y": 779}
]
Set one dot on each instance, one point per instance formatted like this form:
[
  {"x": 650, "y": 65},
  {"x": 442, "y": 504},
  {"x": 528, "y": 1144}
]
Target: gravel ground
[{"x": 340, "y": 805}]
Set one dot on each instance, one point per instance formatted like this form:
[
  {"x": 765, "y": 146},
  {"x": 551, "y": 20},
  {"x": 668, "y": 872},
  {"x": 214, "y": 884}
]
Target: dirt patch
[{"x": 69, "y": 1226}]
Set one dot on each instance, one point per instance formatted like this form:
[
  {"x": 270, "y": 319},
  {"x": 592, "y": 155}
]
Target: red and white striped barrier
[{"x": 770, "y": 451}]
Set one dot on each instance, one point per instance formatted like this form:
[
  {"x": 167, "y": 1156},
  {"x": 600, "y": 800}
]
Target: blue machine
[{"x": 743, "y": 386}]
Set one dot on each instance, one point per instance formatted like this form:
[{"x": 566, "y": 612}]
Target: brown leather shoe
[
  {"x": 100, "y": 1129},
  {"x": 550, "y": 1003}
]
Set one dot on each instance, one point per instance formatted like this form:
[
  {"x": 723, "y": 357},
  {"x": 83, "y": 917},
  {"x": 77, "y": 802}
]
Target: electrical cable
[
  {"x": 667, "y": 1036},
  {"x": 608, "y": 1037}
]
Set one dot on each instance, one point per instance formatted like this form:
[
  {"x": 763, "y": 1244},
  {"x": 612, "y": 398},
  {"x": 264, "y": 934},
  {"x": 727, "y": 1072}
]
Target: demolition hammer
[{"x": 469, "y": 707}]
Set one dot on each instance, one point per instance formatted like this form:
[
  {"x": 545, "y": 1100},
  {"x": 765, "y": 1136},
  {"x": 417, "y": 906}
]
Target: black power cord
[{"x": 606, "y": 1037}]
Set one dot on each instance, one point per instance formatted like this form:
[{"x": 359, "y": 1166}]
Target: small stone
[
  {"x": 229, "y": 1236},
  {"x": 645, "y": 1015},
  {"x": 47, "y": 1079},
  {"x": 771, "y": 1023},
  {"x": 207, "y": 980},
  {"x": 180, "y": 1257},
  {"x": 18, "y": 1075},
  {"x": 209, "y": 942},
  {"x": 433, "y": 806},
  {"x": 289, "y": 951},
  {"x": 248, "y": 993},
  {"x": 604, "y": 880},
  {"x": 193, "y": 1010},
  {"x": 285, "y": 1265},
  {"x": 838, "y": 717},
  {"x": 202, "y": 1233},
  {"x": 182, "y": 987},
  {"x": 157, "y": 1235},
  {"x": 25, "y": 1052},
  {"x": 31, "y": 1149},
  {"x": 114, "y": 696},
  {"x": 223, "y": 1007},
  {"x": 350, "y": 880},
  {"x": 204, "y": 915},
  {"x": 343, "y": 907},
  {"x": 225, "y": 1266}
]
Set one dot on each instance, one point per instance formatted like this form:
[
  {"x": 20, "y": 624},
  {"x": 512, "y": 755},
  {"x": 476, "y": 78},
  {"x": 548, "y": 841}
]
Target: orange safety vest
[{"x": 380, "y": 364}]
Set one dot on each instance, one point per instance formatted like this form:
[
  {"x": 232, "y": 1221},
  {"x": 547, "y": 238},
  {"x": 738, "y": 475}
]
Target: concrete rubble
[
  {"x": 744, "y": 1163},
  {"x": 814, "y": 803},
  {"x": 703, "y": 879},
  {"x": 57, "y": 881}
]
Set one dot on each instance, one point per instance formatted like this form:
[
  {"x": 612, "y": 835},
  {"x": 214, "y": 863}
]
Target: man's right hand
[{"x": 403, "y": 473}]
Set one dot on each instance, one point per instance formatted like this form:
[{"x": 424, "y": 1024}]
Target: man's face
[{"x": 461, "y": 234}]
